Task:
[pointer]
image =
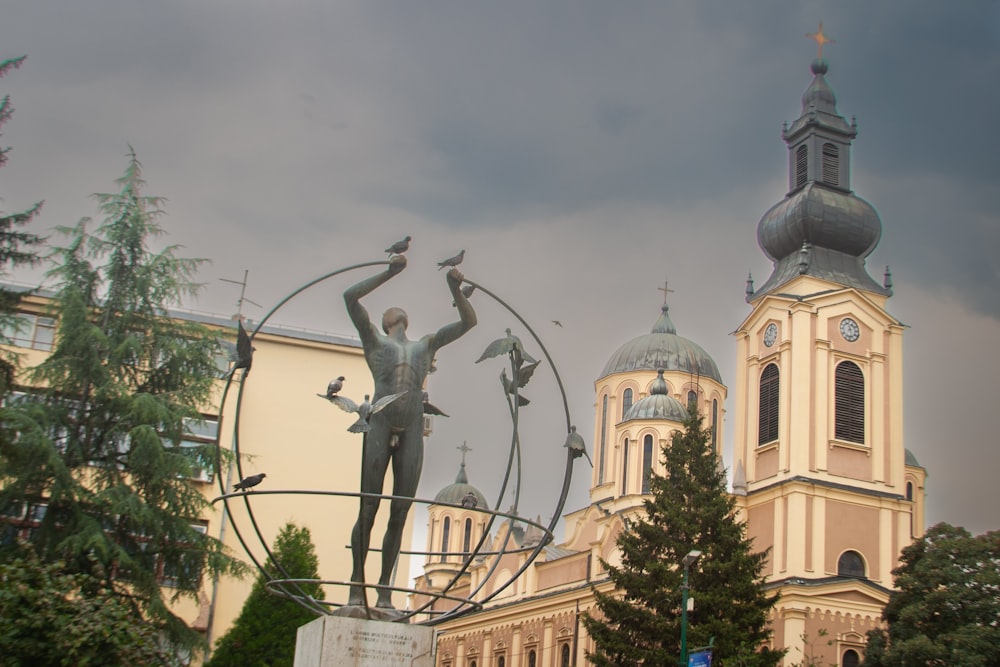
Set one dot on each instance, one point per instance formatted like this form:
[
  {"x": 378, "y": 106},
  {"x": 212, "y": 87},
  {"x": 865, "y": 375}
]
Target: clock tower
[{"x": 820, "y": 467}]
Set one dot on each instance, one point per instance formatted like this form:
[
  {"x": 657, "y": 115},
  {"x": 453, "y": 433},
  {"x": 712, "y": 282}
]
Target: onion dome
[
  {"x": 658, "y": 405},
  {"x": 821, "y": 228},
  {"x": 662, "y": 349},
  {"x": 460, "y": 490}
]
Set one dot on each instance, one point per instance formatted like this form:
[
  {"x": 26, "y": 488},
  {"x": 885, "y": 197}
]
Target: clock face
[
  {"x": 770, "y": 334},
  {"x": 849, "y": 329}
]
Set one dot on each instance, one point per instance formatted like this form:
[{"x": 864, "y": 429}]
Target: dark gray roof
[
  {"x": 454, "y": 493},
  {"x": 663, "y": 349},
  {"x": 658, "y": 405},
  {"x": 911, "y": 460}
]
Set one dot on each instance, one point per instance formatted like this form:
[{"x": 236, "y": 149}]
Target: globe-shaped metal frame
[{"x": 280, "y": 582}]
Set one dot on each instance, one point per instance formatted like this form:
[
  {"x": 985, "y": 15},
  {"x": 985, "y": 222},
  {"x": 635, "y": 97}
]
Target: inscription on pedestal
[{"x": 331, "y": 641}]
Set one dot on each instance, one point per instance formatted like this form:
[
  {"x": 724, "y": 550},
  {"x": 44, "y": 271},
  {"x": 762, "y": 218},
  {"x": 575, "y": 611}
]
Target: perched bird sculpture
[
  {"x": 335, "y": 386},
  {"x": 509, "y": 344},
  {"x": 576, "y": 445},
  {"x": 524, "y": 374},
  {"x": 399, "y": 247},
  {"x": 452, "y": 261},
  {"x": 248, "y": 483},
  {"x": 365, "y": 410},
  {"x": 244, "y": 351},
  {"x": 431, "y": 409}
]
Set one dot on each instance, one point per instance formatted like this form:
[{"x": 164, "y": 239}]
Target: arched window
[
  {"x": 467, "y": 538},
  {"x": 849, "y": 403},
  {"x": 625, "y": 467},
  {"x": 532, "y": 658},
  {"x": 647, "y": 462},
  {"x": 472, "y": 664},
  {"x": 850, "y": 659},
  {"x": 692, "y": 399},
  {"x": 851, "y": 564},
  {"x": 767, "y": 427},
  {"x": 909, "y": 491},
  {"x": 604, "y": 431},
  {"x": 626, "y": 402},
  {"x": 501, "y": 661},
  {"x": 715, "y": 423},
  {"x": 564, "y": 655},
  {"x": 445, "y": 533},
  {"x": 801, "y": 165},
  {"x": 831, "y": 164}
]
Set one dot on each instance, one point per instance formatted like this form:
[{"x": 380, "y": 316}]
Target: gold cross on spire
[
  {"x": 820, "y": 39},
  {"x": 666, "y": 290}
]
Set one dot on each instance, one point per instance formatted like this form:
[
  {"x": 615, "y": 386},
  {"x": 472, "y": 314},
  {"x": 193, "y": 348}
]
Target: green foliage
[
  {"x": 946, "y": 610},
  {"x": 99, "y": 445},
  {"x": 49, "y": 617},
  {"x": 16, "y": 247},
  {"x": 264, "y": 633},
  {"x": 690, "y": 508}
]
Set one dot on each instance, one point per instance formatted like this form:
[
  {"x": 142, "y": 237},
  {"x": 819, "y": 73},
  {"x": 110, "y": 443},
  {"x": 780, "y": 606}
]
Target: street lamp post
[{"x": 691, "y": 557}]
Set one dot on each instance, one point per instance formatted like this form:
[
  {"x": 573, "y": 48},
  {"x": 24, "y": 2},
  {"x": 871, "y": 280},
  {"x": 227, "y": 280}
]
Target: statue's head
[{"x": 393, "y": 317}]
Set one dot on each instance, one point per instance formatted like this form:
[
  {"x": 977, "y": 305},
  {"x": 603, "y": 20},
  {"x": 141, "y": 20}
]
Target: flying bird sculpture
[
  {"x": 399, "y": 247},
  {"x": 248, "y": 483},
  {"x": 509, "y": 344},
  {"x": 576, "y": 445},
  {"x": 335, "y": 386},
  {"x": 452, "y": 261},
  {"x": 431, "y": 409},
  {"x": 524, "y": 374},
  {"x": 365, "y": 410},
  {"x": 244, "y": 351}
]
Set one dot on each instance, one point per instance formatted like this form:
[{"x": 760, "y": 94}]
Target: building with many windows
[{"x": 820, "y": 471}]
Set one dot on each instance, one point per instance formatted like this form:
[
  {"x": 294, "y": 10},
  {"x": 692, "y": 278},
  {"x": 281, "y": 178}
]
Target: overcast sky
[{"x": 580, "y": 152}]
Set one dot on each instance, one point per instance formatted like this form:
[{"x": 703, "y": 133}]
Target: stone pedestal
[{"x": 334, "y": 641}]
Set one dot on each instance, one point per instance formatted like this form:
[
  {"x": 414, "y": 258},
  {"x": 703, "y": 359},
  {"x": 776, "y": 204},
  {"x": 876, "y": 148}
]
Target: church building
[{"x": 820, "y": 471}]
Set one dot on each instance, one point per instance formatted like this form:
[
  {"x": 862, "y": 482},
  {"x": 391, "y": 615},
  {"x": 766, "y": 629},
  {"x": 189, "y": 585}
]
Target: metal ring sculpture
[{"x": 280, "y": 582}]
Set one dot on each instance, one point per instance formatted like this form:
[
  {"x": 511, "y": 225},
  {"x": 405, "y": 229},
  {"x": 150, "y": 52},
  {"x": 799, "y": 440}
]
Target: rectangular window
[{"x": 32, "y": 331}]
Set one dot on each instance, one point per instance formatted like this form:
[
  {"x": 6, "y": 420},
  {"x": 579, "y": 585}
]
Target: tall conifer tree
[
  {"x": 97, "y": 455},
  {"x": 689, "y": 508},
  {"x": 265, "y": 631},
  {"x": 17, "y": 247}
]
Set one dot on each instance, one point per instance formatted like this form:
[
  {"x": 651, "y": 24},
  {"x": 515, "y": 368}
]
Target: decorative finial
[
  {"x": 666, "y": 290},
  {"x": 887, "y": 279},
  {"x": 804, "y": 258},
  {"x": 820, "y": 39},
  {"x": 749, "y": 284}
]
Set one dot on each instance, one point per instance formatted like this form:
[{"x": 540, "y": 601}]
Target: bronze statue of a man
[{"x": 397, "y": 432}]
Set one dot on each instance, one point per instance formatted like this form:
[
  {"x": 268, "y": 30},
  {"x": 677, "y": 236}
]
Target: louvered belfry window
[
  {"x": 801, "y": 165},
  {"x": 831, "y": 164},
  {"x": 767, "y": 430},
  {"x": 849, "y": 404}
]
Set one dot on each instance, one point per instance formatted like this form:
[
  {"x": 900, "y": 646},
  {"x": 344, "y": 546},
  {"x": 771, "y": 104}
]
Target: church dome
[
  {"x": 457, "y": 492},
  {"x": 658, "y": 405},
  {"x": 662, "y": 349}
]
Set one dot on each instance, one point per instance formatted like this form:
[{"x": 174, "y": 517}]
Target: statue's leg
[
  {"x": 407, "y": 462},
  {"x": 374, "y": 462}
]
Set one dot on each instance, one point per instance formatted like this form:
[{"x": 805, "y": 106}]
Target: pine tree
[
  {"x": 96, "y": 454},
  {"x": 264, "y": 633},
  {"x": 16, "y": 248},
  {"x": 689, "y": 508}
]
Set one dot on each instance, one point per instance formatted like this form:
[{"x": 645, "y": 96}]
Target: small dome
[
  {"x": 457, "y": 492},
  {"x": 663, "y": 349},
  {"x": 658, "y": 405}
]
